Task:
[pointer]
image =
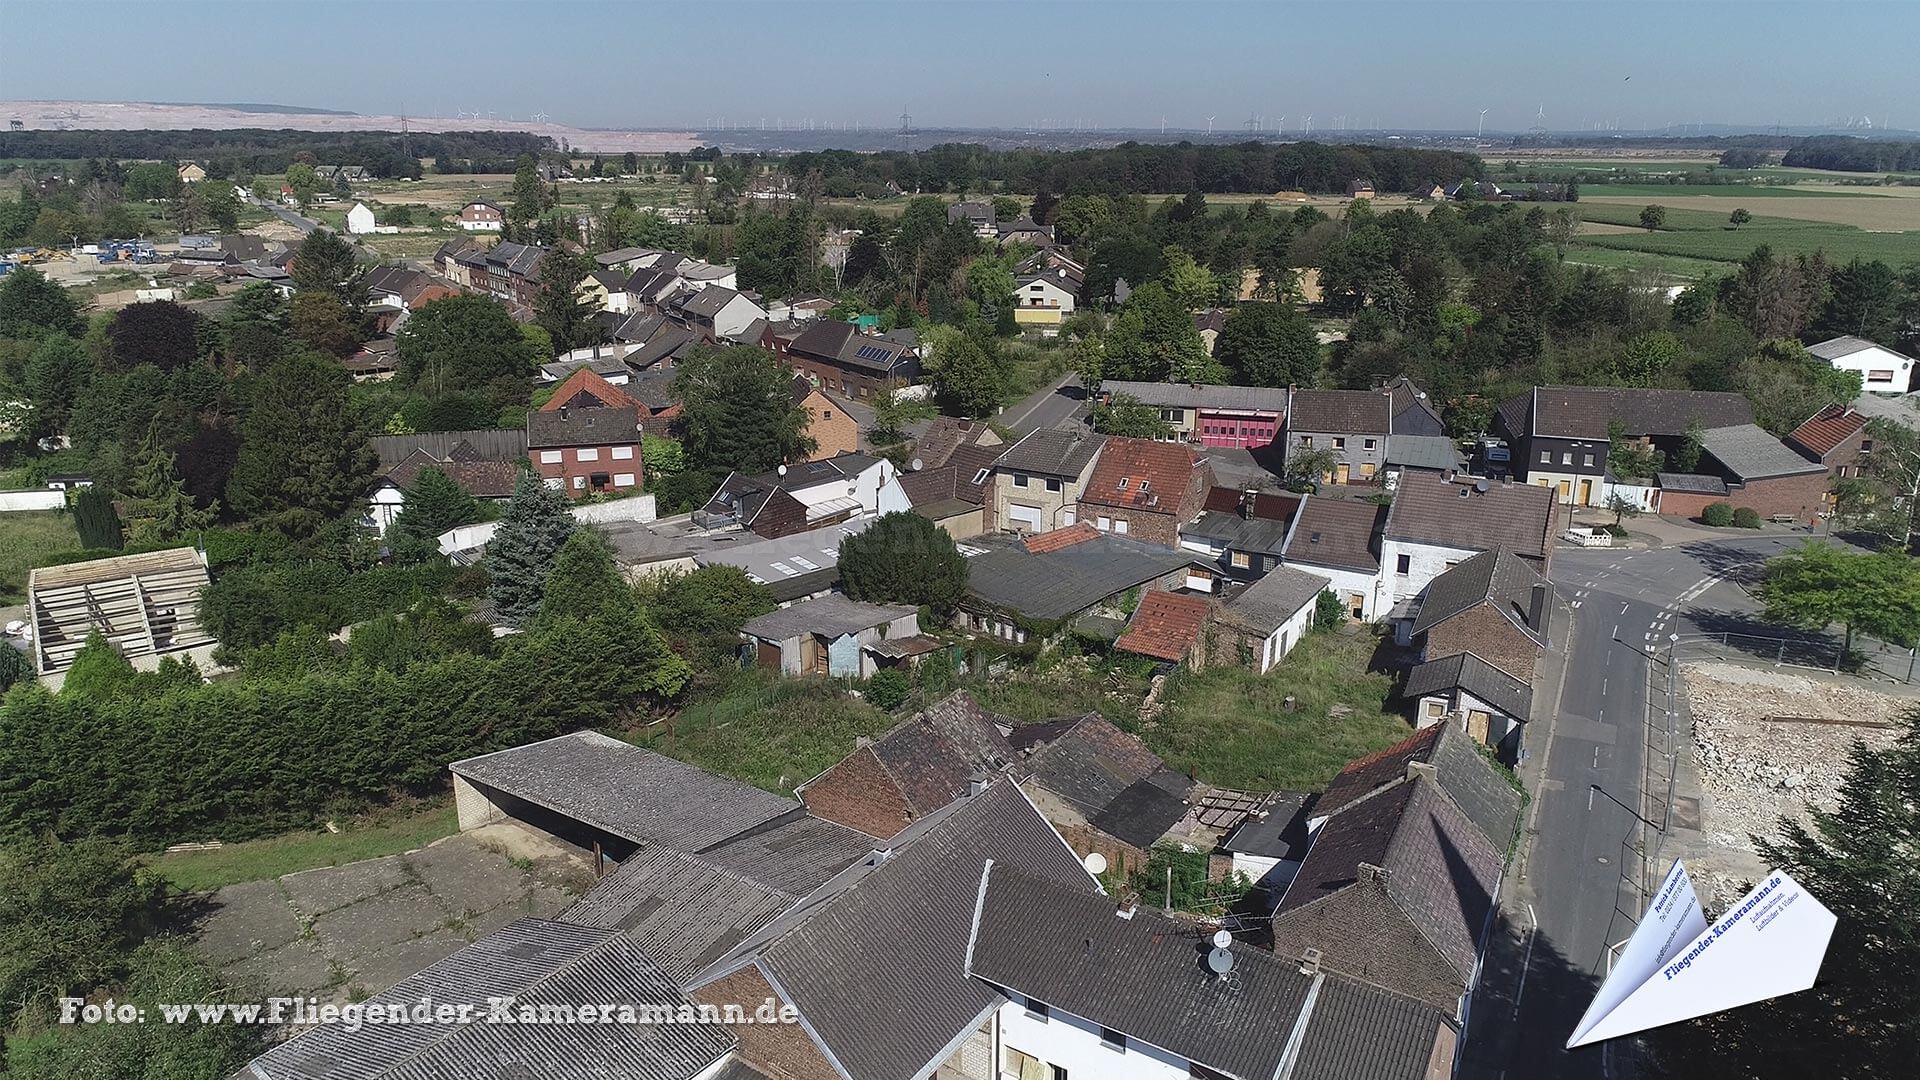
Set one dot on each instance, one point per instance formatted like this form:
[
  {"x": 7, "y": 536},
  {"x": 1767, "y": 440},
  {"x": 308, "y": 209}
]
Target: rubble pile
[{"x": 1757, "y": 769}]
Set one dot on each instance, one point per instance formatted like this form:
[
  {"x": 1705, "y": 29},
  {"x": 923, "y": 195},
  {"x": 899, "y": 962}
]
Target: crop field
[
  {"x": 1865, "y": 212},
  {"x": 1657, "y": 192},
  {"x": 1697, "y": 229}
]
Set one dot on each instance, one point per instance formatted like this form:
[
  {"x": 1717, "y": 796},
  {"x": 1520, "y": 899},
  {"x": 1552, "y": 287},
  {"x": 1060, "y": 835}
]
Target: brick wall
[
  {"x": 1122, "y": 857},
  {"x": 1389, "y": 953},
  {"x": 1149, "y": 526},
  {"x": 782, "y": 1051},
  {"x": 832, "y": 430},
  {"x": 570, "y": 467},
  {"x": 1489, "y": 635},
  {"x": 859, "y": 794},
  {"x": 1801, "y": 496}
]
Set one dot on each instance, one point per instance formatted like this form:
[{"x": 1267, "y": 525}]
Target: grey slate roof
[
  {"x": 537, "y": 962},
  {"x": 1475, "y": 785},
  {"x": 636, "y": 794},
  {"x": 1749, "y": 453},
  {"x": 1267, "y": 536},
  {"x": 1268, "y": 603},
  {"x": 1051, "y": 452},
  {"x": 1584, "y": 412},
  {"x": 592, "y": 426},
  {"x": 762, "y": 559},
  {"x": 1691, "y": 483},
  {"x": 1091, "y": 763},
  {"x": 874, "y": 962},
  {"x": 1144, "y": 810},
  {"x": 1146, "y": 977},
  {"x": 708, "y": 301},
  {"x": 832, "y": 615},
  {"x": 1068, "y": 580},
  {"x": 1340, "y": 412},
  {"x": 1498, "y": 578},
  {"x": 1429, "y": 509},
  {"x": 1903, "y": 409},
  {"x": 1339, "y": 533},
  {"x": 1844, "y": 346},
  {"x": 1277, "y": 831},
  {"x": 1200, "y": 396},
  {"x": 796, "y": 856},
  {"x": 1425, "y": 452},
  {"x": 682, "y": 911},
  {"x": 1468, "y": 672}
]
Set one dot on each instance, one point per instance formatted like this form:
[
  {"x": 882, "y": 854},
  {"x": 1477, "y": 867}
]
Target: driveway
[{"x": 350, "y": 931}]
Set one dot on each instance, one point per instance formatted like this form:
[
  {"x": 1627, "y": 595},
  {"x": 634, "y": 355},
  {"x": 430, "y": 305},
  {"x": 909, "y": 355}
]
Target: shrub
[
  {"x": 888, "y": 689},
  {"x": 1719, "y": 515},
  {"x": 1746, "y": 518}
]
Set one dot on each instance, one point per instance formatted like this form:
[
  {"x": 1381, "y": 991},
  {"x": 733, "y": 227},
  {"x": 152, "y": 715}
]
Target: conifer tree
[{"x": 522, "y": 553}]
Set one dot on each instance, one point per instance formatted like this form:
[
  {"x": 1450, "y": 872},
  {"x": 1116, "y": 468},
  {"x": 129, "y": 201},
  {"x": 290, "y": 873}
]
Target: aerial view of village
[{"x": 610, "y": 540}]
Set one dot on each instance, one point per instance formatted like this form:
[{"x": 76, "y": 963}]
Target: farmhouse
[
  {"x": 594, "y": 449},
  {"x": 1560, "y": 436},
  {"x": 1145, "y": 488},
  {"x": 1881, "y": 370},
  {"x": 1237, "y": 417},
  {"x": 1268, "y": 618},
  {"x": 482, "y": 216},
  {"x": 1076, "y": 575},
  {"x": 1245, "y": 530}
]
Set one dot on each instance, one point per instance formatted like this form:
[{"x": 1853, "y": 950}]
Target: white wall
[
  {"x": 33, "y": 499},
  {"x": 1281, "y": 641},
  {"x": 736, "y": 316},
  {"x": 632, "y": 508},
  {"x": 1880, "y": 360},
  {"x": 1424, "y": 563},
  {"x": 1073, "y": 1044},
  {"x": 1343, "y": 582},
  {"x": 1640, "y": 496}
]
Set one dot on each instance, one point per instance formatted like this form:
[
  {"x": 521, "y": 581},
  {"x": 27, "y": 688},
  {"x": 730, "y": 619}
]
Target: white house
[
  {"x": 1042, "y": 302},
  {"x": 360, "y": 221},
  {"x": 1272, "y": 615},
  {"x": 482, "y": 216},
  {"x": 1881, "y": 370},
  {"x": 1437, "y": 522}
]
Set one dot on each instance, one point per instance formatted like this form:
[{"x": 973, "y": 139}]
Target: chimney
[
  {"x": 1310, "y": 961},
  {"x": 1370, "y": 872},
  {"x": 1128, "y": 905},
  {"x": 1246, "y": 504},
  {"x": 1417, "y": 769},
  {"x": 1538, "y": 605},
  {"x": 977, "y": 785},
  {"x": 563, "y": 412}
]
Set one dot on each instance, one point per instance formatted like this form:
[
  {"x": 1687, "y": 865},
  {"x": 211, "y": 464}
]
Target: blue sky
[{"x": 606, "y": 63}]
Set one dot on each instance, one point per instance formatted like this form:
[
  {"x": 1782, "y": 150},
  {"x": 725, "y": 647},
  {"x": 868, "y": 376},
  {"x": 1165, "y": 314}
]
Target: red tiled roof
[
  {"x": 1368, "y": 774},
  {"x": 584, "y": 381},
  {"x": 1266, "y": 505},
  {"x": 1061, "y": 538},
  {"x": 1827, "y": 429},
  {"x": 1166, "y": 626},
  {"x": 1141, "y": 474}
]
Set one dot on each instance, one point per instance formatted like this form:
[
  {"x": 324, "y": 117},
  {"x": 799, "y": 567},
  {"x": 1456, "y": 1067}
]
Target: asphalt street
[
  {"x": 1598, "y": 767},
  {"x": 1046, "y": 407}
]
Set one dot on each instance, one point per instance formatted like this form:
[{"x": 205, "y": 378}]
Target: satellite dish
[
  {"x": 916, "y": 465},
  {"x": 782, "y": 470},
  {"x": 1095, "y": 863},
  {"x": 1480, "y": 486},
  {"x": 1222, "y": 938},
  {"x": 1220, "y": 960}
]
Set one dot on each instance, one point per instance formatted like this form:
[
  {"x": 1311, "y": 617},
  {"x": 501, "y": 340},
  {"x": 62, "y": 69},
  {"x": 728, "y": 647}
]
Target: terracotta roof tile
[
  {"x": 1141, "y": 474},
  {"x": 584, "y": 381},
  {"x": 1045, "y": 542},
  {"x": 1166, "y": 626},
  {"x": 1827, "y": 429}
]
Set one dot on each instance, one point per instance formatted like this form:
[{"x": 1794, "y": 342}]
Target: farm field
[
  {"x": 1741, "y": 191},
  {"x": 1695, "y": 232},
  {"x": 1678, "y": 268},
  {"x": 1869, "y": 213}
]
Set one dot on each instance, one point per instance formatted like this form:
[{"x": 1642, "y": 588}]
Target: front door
[
  {"x": 1357, "y": 605},
  {"x": 1341, "y": 472},
  {"x": 1566, "y": 490},
  {"x": 1586, "y": 493}
]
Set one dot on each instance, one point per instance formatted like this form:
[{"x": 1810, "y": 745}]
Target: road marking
[
  {"x": 1624, "y": 606},
  {"x": 1616, "y": 631},
  {"x": 1589, "y": 798},
  {"x": 1596, "y": 757},
  {"x": 1526, "y": 961},
  {"x": 1603, "y": 686},
  {"x": 1575, "y": 605}
]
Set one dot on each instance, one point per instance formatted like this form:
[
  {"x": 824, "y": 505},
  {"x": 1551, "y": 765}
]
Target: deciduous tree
[
  {"x": 904, "y": 558},
  {"x": 466, "y": 343},
  {"x": 157, "y": 332},
  {"x": 33, "y": 305},
  {"x": 1820, "y": 585},
  {"x": 1268, "y": 344},
  {"x": 303, "y": 461},
  {"x": 738, "y": 411}
]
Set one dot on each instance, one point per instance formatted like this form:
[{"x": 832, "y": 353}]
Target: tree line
[{"x": 269, "y": 150}]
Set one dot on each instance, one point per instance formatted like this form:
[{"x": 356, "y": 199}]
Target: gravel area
[{"x": 1762, "y": 748}]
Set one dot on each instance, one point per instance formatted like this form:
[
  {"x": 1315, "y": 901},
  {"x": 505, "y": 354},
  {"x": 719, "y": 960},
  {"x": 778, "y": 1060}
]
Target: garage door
[{"x": 1023, "y": 517}]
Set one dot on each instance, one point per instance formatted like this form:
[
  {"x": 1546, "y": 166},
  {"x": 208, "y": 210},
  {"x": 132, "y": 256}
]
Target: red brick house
[
  {"x": 1746, "y": 468},
  {"x": 837, "y": 357},
  {"x": 1836, "y": 437},
  {"x": 1146, "y": 489},
  {"x": 583, "y": 450},
  {"x": 481, "y": 216}
]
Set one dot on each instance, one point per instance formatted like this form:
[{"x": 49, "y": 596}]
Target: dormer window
[{"x": 1123, "y": 482}]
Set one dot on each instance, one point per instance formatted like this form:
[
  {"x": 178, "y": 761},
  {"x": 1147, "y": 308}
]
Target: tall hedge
[{"x": 248, "y": 757}]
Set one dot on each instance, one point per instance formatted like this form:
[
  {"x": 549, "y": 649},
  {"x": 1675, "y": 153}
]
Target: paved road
[
  {"x": 289, "y": 215},
  {"x": 1598, "y": 769},
  {"x": 1049, "y": 406}
]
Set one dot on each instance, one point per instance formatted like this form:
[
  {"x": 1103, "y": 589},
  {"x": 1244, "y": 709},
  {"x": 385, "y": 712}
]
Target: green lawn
[
  {"x": 28, "y": 539},
  {"x": 768, "y": 731},
  {"x": 1231, "y": 727},
  {"x": 260, "y": 860},
  {"x": 1680, "y": 267},
  {"x": 1653, "y": 192}
]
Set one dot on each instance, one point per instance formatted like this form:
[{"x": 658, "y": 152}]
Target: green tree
[
  {"x": 967, "y": 370},
  {"x": 1647, "y": 357},
  {"x": 57, "y": 371},
  {"x": 537, "y": 523},
  {"x": 1820, "y": 585},
  {"x": 1739, "y": 217},
  {"x": 560, "y": 308},
  {"x": 33, "y": 305},
  {"x": 157, "y": 332},
  {"x": 1128, "y": 416},
  {"x": 1153, "y": 339},
  {"x": 159, "y": 510},
  {"x": 1862, "y": 1018},
  {"x": 304, "y": 181},
  {"x": 1191, "y": 285},
  {"x": 1652, "y": 217},
  {"x": 528, "y": 195},
  {"x": 904, "y": 558},
  {"x": 1622, "y": 508},
  {"x": 326, "y": 263},
  {"x": 71, "y": 915},
  {"x": 1865, "y": 300},
  {"x": 708, "y": 606},
  {"x": 738, "y": 412},
  {"x": 303, "y": 460},
  {"x": 584, "y": 582},
  {"x": 434, "y": 504},
  {"x": 1267, "y": 344},
  {"x": 14, "y": 668},
  {"x": 1305, "y": 467},
  {"x": 320, "y": 321},
  {"x": 466, "y": 343},
  {"x": 893, "y": 415}
]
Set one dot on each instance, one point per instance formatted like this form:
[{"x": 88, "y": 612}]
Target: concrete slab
[
  {"x": 353, "y": 933},
  {"x": 299, "y": 967},
  {"x": 467, "y": 878},
  {"x": 380, "y": 970},
  {"x": 316, "y": 892},
  {"x": 246, "y": 919}
]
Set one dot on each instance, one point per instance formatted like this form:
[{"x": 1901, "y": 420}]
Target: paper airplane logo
[{"x": 1676, "y": 966}]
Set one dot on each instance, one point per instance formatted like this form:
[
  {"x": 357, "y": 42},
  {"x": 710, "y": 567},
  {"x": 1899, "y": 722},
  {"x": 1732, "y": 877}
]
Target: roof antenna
[{"x": 1220, "y": 960}]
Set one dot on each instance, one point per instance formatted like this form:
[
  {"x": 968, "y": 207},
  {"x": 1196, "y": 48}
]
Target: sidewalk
[{"x": 1649, "y": 531}]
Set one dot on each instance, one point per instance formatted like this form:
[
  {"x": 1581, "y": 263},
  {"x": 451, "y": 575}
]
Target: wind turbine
[
  {"x": 1482, "y": 129},
  {"x": 1209, "y": 125},
  {"x": 540, "y": 117}
]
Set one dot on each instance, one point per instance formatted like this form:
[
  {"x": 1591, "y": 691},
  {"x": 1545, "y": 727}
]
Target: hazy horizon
[{"x": 1566, "y": 66}]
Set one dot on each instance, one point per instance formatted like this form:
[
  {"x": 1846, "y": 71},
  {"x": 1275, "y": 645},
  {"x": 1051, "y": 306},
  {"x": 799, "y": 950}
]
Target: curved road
[{"x": 1598, "y": 768}]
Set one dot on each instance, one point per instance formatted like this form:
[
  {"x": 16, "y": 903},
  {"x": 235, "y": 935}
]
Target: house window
[
  {"x": 1037, "y": 1010},
  {"x": 826, "y": 414},
  {"x": 550, "y": 457},
  {"x": 623, "y": 453},
  {"x": 1103, "y": 523},
  {"x": 1366, "y": 470},
  {"x": 1020, "y": 479},
  {"x": 587, "y": 453},
  {"x": 579, "y": 483},
  {"x": 1339, "y": 443},
  {"x": 1566, "y": 457},
  {"x": 1588, "y": 461},
  {"x": 1241, "y": 561},
  {"x": 1368, "y": 444},
  {"x": 1546, "y": 457},
  {"x": 1866, "y": 445},
  {"x": 1120, "y": 525},
  {"x": 1053, "y": 485},
  {"x": 1880, "y": 375},
  {"x": 1403, "y": 565},
  {"x": 1025, "y": 1065},
  {"x": 1113, "y": 1040},
  {"x": 980, "y": 477},
  {"x": 1306, "y": 441},
  {"x": 1173, "y": 416}
]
